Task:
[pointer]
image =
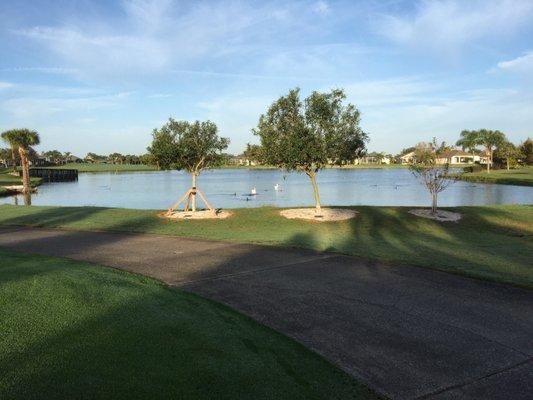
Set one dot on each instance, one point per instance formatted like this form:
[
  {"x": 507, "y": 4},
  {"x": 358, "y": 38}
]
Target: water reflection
[{"x": 229, "y": 188}]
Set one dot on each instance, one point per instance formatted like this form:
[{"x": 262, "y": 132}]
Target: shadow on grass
[{"x": 386, "y": 325}]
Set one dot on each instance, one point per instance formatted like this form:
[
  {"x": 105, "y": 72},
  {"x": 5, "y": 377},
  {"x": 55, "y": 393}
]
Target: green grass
[
  {"x": 86, "y": 167},
  {"x": 6, "y": 179},
  {"x": 493, "y": 242},
  {"x": 71, "y": 330},
  {"x": 520, "y": 176}
]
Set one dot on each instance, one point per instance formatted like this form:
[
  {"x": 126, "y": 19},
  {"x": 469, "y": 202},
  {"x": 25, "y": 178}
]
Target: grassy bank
[
  {"x": 493, "y": 243},
  {"x": 521, "y": 176},
  {"x": 74, "y": 330},
  {"x": 6, "y": 179},
  {"x": 86, "y": 167}
]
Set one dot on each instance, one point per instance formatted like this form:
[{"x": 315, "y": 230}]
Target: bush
[{"x": 473, "y": 168}]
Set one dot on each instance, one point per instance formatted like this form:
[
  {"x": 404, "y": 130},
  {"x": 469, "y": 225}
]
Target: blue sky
[{"x": 100, "y": 75}]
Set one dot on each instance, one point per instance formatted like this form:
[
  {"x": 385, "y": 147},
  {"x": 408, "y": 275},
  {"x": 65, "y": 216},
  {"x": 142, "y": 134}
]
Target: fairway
[
  {"x": 493, "y": 243},
  {"x": 72, "y": 329}
]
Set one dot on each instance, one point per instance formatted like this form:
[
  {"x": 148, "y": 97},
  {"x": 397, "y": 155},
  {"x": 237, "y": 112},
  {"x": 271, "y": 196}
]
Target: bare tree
[{"x": 435, "y": 177}]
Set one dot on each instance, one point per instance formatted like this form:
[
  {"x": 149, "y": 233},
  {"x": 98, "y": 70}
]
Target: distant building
[
  {"x": 408, "y": 158},
  {"x": 451, "y": 157},
  {"x": 373, "y": 158}
]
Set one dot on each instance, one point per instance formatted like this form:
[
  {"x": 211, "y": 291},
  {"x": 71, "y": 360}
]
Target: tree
[
  {"x": 469, "y": 141},
  {"x": 526, "y": 149},
  {"x": 434, "y": 177},
  {"x": 483, "y": 137},
  {"x": 304, "y": 136},
  {"x": 509, "y": 153},
  {"x": 188, "y": 146},
  {"x": 9, "y": 138},
  {"x": 5, "y": 155},
  {"x": 253, "y": 153},
  {"x": 23, "y": 139}
]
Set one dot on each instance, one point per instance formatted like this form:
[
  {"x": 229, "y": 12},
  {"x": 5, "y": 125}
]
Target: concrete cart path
[{"x": 407, "y": 332}]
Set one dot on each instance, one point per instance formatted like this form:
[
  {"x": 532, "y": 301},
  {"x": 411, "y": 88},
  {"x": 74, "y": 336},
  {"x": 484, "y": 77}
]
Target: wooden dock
[{"x": 54, "y": 175}]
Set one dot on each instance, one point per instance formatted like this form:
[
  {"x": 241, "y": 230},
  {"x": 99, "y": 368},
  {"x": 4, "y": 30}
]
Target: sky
[{"x": 99, "y": 76}]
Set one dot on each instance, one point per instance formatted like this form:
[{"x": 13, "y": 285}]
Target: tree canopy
[
  {"x": 24, "y": 138},
  {"x": 189, "y": 146},
  {"x": 305, "y": 136}
]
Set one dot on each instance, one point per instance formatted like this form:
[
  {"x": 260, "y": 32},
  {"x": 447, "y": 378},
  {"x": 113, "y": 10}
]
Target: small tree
[
  {"x": 188, "y": 146},
  {"x": 306, "y": 136},
  {"x": 9, "y": 138},
  {"x": 508, "y": 153},
  {"x": 23, "y": 139},
  {"x": 526, "y": 149},
  {"x": 253, "y": 153},
  {"x": 434, "y": 176}
]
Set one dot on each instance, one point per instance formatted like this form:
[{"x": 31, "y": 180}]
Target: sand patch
[
  {"x": 202, "y": 214},
  {"x": 328, "y": 214},
  {"x": 440, "y": 215}
]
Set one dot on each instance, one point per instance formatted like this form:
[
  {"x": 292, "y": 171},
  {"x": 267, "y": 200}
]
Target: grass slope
[
  {"x": 86, "y": 167},
  {"x": 6, "y": 179},
  {"x": 74, "y": 330},
  {"x": 522, "y": 176},
  {"x": 493, "y": 243}
]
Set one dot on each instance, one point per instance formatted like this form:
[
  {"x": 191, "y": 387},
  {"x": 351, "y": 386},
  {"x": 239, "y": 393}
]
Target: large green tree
[
  {"x": 23, "y": 139},
  {"x": 189, "y": 146},
  {"x": 305, "y": 136}
]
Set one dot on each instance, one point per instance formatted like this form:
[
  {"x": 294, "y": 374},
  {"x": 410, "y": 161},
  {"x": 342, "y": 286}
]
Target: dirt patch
[
  {"x": 327, "y": 214},
  {"x": 440, "y": 215},
  {"x": 202, "y": 214}
]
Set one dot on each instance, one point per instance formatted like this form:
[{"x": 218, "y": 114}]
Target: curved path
[{"x": 407, "y": 332}]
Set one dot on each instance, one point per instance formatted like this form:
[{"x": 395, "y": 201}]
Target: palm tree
[
  {"x": 482, "y": 137},
  {"x": 469, "y": 141},
  {"x": 9, "y": 138},
  {"x": 23, "y": 139}
]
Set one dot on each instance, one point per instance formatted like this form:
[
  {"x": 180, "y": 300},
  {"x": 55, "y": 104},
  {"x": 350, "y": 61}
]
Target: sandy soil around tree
[
  {"x": 440, "y": 215},
  {"x": 328, "y": 214},
  {"x": 201, "y": 214}
]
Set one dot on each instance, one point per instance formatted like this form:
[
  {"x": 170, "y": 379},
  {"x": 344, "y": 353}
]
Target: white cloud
[
  {"x": 448, "y": 25},
  {"x": 520, "y": 64},
  {"x": 5, "y": 85},
  {"x": 34, "y": 107}
]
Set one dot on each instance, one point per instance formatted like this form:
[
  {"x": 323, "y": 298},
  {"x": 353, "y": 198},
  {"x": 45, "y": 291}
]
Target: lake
[{"x": 229, "y": 188}]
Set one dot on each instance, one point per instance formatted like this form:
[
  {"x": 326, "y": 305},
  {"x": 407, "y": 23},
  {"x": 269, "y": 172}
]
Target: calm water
[{"x": 229, "y": 188}]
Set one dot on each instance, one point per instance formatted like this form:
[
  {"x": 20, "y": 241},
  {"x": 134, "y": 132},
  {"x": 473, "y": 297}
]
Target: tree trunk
[
  {"x": 14, "y": 157},
  {"x": 193, "y": 193},
  {"x": 312, "y": 176},
  {"x": 25, "y": 170},
  {"x": 433, "y": 203},
  {"x": 507, "y": 161},
  {"x": 489, "y": 161}
]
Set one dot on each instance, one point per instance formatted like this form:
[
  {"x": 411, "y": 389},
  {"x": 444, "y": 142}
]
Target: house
[
  {"x": 373, "y": 158},
  {"x": 241, "y": 160},
  {"x": 408, "y": 158},
  {"x": 456, "y": 157}
]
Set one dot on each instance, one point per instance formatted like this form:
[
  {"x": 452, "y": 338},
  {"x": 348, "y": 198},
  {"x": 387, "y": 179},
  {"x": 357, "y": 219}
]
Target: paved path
[{"x": 407, "y": 332}]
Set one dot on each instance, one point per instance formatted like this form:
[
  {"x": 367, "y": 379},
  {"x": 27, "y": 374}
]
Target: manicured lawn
[
  {"x": 86, "y": 167},
  {"x": 521, "y": 176},
  {"x": 493, "y": 243},
  {"x": 73, "y": 330}
]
